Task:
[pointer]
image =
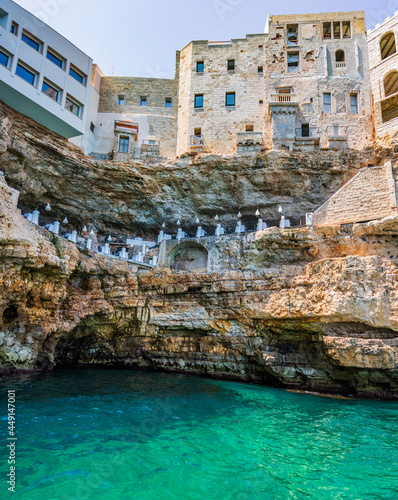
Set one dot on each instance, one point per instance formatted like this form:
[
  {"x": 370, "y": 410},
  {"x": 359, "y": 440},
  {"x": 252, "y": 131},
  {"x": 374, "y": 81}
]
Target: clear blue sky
[{"x": 139, "y": 38}]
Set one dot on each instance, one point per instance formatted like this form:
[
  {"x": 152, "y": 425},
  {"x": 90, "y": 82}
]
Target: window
[
  {"x": 354, "y": 104},
  {"x": 339, "y": 29},
  {"x": 293, "y": 62},
  {"x": 55, "y": 58},
  {"x": 197, "y": 132},
  {"x": 32, "y": 41},
  {"x": 152, "y": 142},
  {"x": 336, "y": 30},
  {"x": 231, "y": 64},
  {"x": 27, "y": 74},
  {"x": 261, "y": 102},
  {"x": 124, "y": 144},
  {"x": 143, "y": 100},
  {"x": 168, "y": 102},
  {"x": 230, "y": 99},
  {"x": 340, "y": 56},
  {"x": 73, "y": 106},
  {"x": 249, "y": 127},
  {"x": 292, "y": 34},
  {"x": 391, "y": 83},
  {"x": 305, "y": 130},
  {"x": 200, "y": 67},
  {"x": 198, "y": 101},
  {"x": 121, "y": 100},
  {"x": 336, "y": 130},
  {"x": 92, "y": 127},
  {"x": 327, "y": 31},
  {"x": 77, "y": 75},
  {"x": 387, "y": 45},
  {"x": 3, "y": 18},
  {"x": 261, "y": 70},
  {"x": 346, "y": 29},
  {"x": 51, "y": 91},
  {"x": 4, "y": 58},
  {"x": 327, "y": 103},
  {"x": 14, "y": 28},
  {"x": 284, "y": 90}
]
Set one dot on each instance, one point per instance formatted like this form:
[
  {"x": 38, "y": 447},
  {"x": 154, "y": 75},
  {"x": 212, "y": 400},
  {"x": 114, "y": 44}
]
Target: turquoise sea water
[{"x": 91, "y": 434}]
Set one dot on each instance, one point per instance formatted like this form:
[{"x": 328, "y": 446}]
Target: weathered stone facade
[
  {"x": 148, "y": 102},
  {"x": 213, "y": 70},
  {"x": 384, "y": 75},
  {"x": 318, "y": 84}
]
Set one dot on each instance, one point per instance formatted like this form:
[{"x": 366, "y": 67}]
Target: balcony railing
[
  {"x": 276, "y": 98},
  {"x": 341, "y": 65},
  {"x": 197, "y": 141},
  {"x": 150, "y": 142},
  {"x": 337, "y": 131}
]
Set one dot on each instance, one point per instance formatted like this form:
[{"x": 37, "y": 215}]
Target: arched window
[
  {"x": 391, "y": 83},
  {"x": 340, "y": 56},
  {"x": 387, "y": 45}
]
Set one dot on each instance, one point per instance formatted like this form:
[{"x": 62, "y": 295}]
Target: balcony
[
  {"x": 337, "y": 137},
  {"x": 283, "y": 99},
  {"x": 307, "y": 139},
  {"x": 197, "y": 143},
  {"x": 249, "y": 141}
]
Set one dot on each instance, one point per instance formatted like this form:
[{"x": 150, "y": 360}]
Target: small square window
[
  {"x": 121, "y": 100},
  {"x": 92, "y": 127},
  {"x": 327, "y": 103},
  {"x": 5, "y": 59},
  {"x": 124, "y": 145},
  {"x": 230, "y": 99},
  {"x": 249, "y": 127},
  {"x": 32, "y": 41},
  {"x": 77, "y": 75},
  {"x": 261, "y": 102},
  {"x": 198, "y": 101},
  {"x": 305, "y": 130},
  {"x": 200, "y": 67},
  {"x": 73, "y": 106},
  {"x": 293, "y": 59},
  {"x": 51, "y": 91},
  {"x": 261, "y": 70},
  {"x": 26, "y": 74},
  {"x": 14, "y": 28},
  {"x": 327, "y": 31},
  {"x": 168, "y": 102},
  {"x": 197, "y": 132},
  {"x": 231, "y": 64},
  {"x": 143, "y": 100},
  {"x": 354, "y": 104},
  {"x": 55, "y": 58}
]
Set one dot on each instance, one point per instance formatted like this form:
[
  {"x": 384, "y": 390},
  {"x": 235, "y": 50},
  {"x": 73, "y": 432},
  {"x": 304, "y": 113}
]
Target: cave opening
[{"x": 10, "y": 314}]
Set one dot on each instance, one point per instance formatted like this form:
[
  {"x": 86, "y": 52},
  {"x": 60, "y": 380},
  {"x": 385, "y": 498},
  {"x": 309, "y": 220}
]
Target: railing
[
  {"x": 337, "y": 131},
  {"x": 197, "y": 141},
  {"x": 341, "y": 65},
  {"x": 149, "y": 142},
  {"x": 312, "y": 133},
  {"x": 282, "y": 98}
]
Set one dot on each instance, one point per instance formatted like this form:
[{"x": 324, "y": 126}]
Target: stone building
[
  {"x": 221, "y": 95},
  {"x": 384, "y": 75},
  {"x": 317, "y": 77},
  {"x": 137, "y": 117}
]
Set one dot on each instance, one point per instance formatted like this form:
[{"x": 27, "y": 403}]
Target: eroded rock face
[
  {"x": 138, "y": 197},
  {"x": 324, "y": 323}
]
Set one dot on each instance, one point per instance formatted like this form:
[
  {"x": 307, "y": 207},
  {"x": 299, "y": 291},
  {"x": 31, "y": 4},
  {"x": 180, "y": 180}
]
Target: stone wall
[
  {"x": 379, "y": 69},
  {"x": 155, "y": 120},
  {"x": 369, "y": 195},
  {"x": 319, "y": 72},
  {"x": 220, "y": 124}
]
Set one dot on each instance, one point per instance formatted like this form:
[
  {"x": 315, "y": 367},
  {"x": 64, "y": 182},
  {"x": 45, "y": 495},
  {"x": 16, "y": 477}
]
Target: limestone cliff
[
  {"x": 138, "y": 197},
  {"x": 324, "y": 317}
]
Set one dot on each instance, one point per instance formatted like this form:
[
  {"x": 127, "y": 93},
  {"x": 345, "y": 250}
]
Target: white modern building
[{"x": 45, "y": 77}]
